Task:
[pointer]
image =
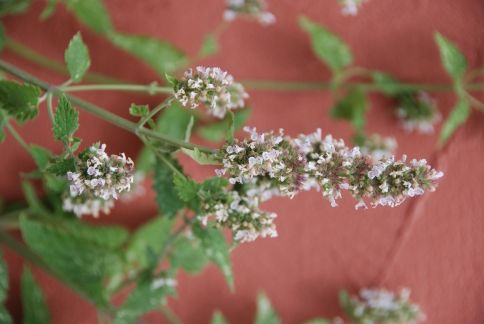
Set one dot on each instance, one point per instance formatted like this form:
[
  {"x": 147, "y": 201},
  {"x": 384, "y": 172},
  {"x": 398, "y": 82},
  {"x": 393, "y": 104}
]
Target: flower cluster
[
  {"x": 239, "y": 211},
  {"x": 212, "y": 87},
  {"x": 418, "y": 111},
  {"x": 350, "y": 7},
  {"x": 327, "y": 164},
  {"x": 98, "y": 180},
  {"x": 264, "y": 157},
  {"x": 251, "y": 8},
  {"x": 379, "y": 147},
  {"x": 383, "y": 306}
]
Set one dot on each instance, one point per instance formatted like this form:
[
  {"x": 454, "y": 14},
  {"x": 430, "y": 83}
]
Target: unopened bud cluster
[
  {"x": 382, "y": 306},
  {"x": 211, "y": 87},
  {"x": 418, "y": 112},
  {"x": 98, "y": 179},
  {"x": 251, "y": 8},
  {"x": 350, "y": 7}
]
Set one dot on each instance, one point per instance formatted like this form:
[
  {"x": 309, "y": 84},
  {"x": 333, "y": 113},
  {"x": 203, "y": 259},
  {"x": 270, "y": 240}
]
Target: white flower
[
  {"x": 83, "y": 205},
  {"x": 418, "y": 112},
  {"x": 250, "y": 8},
  {"x": 350, "y": 7}
]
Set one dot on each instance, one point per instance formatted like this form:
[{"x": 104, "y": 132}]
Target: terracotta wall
[{"x": 320, "y": 249}]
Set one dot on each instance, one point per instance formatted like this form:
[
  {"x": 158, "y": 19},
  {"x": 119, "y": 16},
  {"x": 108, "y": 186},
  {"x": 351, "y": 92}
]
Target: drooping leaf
[
  {"x": 19, "y": 100},
  {"x": 149, "y": 238},
  {"x": 218, "y": 318},
  {"x": 265, "y": 313},
  {"x": 35, "y": 310},
  {"x": 216, "y": 249},
  {"x": 92, "y": 13},
  {"x": 188, "y": 254},
  {"x": 209, "y": 46},
  {"x": 457, "y": 117},
  {"x": 77, "y": 253},
  {"x": 160, "y": 55},
  {"x": 77, "y": 58},
  {"x": 202, "y": 157},
  {"x": 351, "y": 107},
  {"x": 217, "y": 131},
  {"x": 327, "y": 46},
  {"x": 4, "y": 315},
  {"x": 66, "y": 120},
  {"x": 452, "y": 59},
  {"x": 166, "y": 196}
]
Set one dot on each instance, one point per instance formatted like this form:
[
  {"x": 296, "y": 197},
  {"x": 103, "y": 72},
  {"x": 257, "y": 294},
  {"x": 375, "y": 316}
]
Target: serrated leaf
[
  {"x": 40, "y": 155},
  {"x": 92, "y": 13},
  {"x": 4, "y": 315},
  {"x": 188, "y": 255},
  {"x": 149, "y": 238},
  {"x": 166, "y": 196},
  {"x": 202, "y": 157},
  {"x": 77, "y": 253},
  {"x": 19, "y": 100},
  {"x": 61, "y": 166},
  {"x": 351, "y": 107},
  {"x": 34, "y": 307},
  {"x": 139, "y": 110},
  {"x": 144, "y": 298},
  {"x": 209, "y": 46},
  {"x": 217, "y": 131},
  {"x": 457, "y": 117},
  {"x": 49, "y": 9},
  {"x": 265, "y": 313},
  {"x": 327, "y": 46},
  {"x": 216, "y": 249},
  {"x": 387, "y": 84},
  {"x": 452, "y": 59},
  {"x": 66, "y": 120},
  {"x": 160, "y": 55},
  {"x": 77, "y": 58},
  {"x": 218, "y": 318}
]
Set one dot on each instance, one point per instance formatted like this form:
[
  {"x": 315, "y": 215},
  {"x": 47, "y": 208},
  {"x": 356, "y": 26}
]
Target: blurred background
[{"x": 433, "y": 245}]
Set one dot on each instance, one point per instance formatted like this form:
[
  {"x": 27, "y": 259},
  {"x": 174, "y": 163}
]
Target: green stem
[
  {"x": 18, "y": 138},
  {"x": 151, "y": 89},
  {"x": 152, "y": 113},
  {"x": 169, "y": 315},
  {"x": 31, "y": 55},
  {"x": 50, "y": 108},
  {"x": 100, "y": 112}
]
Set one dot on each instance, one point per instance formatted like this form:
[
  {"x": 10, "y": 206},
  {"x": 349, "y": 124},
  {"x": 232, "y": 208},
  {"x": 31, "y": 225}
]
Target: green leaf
[
  {"x": 84, "y": 256},
  {"x": 159, "y": 55},
  {"x": 327, "y": 46},
  {"x": 144, "y": 298},
  {"x": 149, "y": 238},
  {"x": 345, "y": 302},
  {"x": 2, "y": 36},
  {"x": 231, "y": 132},
  {"x": 92, "y": 13},
  {"x": 216, "y": 249},
  {"x": 186, "y": 188},
  {"x": 217, "y": 131},
  {"x": 209, "y": 46},
  {"x": 66, "y": 120},
  {"x": 387, "y": 84},
  {"x": 139, "y": 110},
  {"x": 202, "y": 157},
  {"x": 77, "y": 58},
  {"x": 188, "y": 254},
  {"x": 265, "y": 313},
  {"x": 352, "y": 107},
  {"x": 61, "y": 166},
  {"x": 171, "y": 79},
  {"x": 452, "y": 59},
  {"x": 4, "y": 315},
  {"x": 166, "y": 196},
  {"x": 19, "y": 100},
  {"x": 49, "y": 9},
  {"x": 457, "y": 117},
  {"x": 40, "y": 155},
  {"x": 33, "y": 304},
  {"x": 8, "y": 7},
  {"x": 32, "y": 199},
  {"x": 218, "y": 318},
  {"x": 3, "y": 122}
]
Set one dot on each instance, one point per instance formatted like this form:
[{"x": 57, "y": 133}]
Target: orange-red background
[{"x": 320, "y": 249}]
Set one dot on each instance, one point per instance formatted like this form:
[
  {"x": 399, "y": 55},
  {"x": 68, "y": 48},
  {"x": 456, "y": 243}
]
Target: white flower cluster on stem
[
  {"x": 418, "y": 112},
  {"x": 97, "y": 181},
  {"x": 350, "y": 7},
  {"x": 251, "y": 8},
  {"x": 383, "y": 306},
  {"x": 212, "y": 87},
  {"x": 379, "y": 147}
]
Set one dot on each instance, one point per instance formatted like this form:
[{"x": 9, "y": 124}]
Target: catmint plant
[{"x": 252, "y": 8}]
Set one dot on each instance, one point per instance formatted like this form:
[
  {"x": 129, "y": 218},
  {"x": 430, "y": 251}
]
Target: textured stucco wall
[{"x": 320, "y": 249}]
